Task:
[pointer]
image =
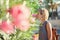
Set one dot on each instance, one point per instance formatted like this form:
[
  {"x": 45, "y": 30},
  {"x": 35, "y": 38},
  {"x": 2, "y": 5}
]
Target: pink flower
[
  {"x": 6, "y": 27},
  {"x": 25, "y": 10},
  {"x": 20, "y": 15},
  {"x": 23, "y": 25},
  {"x": 34, "y": 15},
  {"x": 19, "y": 10},
  {"x": 14, "y": 11}
]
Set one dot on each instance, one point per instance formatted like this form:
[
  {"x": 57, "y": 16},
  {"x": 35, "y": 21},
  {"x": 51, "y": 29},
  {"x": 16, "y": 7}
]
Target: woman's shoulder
[{"x": 48, "y": 22}]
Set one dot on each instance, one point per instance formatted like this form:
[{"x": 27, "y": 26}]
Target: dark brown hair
[{"x": 41, "y": 11}]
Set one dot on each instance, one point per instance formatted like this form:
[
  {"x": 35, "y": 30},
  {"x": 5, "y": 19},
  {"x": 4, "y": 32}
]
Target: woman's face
[{"x": 41, "y": 16}]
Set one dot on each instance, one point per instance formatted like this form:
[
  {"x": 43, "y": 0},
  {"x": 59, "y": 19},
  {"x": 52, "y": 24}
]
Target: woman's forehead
[{"x": 41, "y": 12}]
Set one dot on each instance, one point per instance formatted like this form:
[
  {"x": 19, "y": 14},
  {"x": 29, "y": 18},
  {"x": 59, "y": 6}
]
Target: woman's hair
[{"x": 42, "y": 11}]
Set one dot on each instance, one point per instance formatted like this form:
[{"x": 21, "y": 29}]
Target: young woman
[{"x": 45, "y": 31}]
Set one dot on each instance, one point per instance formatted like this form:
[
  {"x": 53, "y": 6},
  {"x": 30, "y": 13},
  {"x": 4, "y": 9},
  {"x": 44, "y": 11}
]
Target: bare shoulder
[{"x": 49, "y": 25}]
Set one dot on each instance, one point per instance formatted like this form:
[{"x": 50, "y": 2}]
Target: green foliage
[
  {"x": 2, "y": 10},
  {"x": 32, "y": 4},
  {"x": 19, "y": 35}
]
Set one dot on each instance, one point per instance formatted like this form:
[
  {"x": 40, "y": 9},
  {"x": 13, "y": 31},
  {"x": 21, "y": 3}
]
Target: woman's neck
[{"x": 42, "y": 21}]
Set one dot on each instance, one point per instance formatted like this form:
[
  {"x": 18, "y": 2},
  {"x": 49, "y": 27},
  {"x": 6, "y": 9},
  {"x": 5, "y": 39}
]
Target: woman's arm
[{"x": 49, "y": 31}]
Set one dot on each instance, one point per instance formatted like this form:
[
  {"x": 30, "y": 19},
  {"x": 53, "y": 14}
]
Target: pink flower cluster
[{"x": 20, "y": 15}]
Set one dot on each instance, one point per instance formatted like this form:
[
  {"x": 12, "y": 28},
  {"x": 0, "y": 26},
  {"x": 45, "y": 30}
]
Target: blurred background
[{"x": 53, "y": 7}]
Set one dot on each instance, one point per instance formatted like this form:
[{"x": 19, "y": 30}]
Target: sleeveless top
[{"x": 42, "y": 32}]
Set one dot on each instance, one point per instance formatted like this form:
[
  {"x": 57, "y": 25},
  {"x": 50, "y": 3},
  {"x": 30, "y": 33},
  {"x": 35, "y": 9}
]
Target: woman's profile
[{"x": 45, "y": 31}]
